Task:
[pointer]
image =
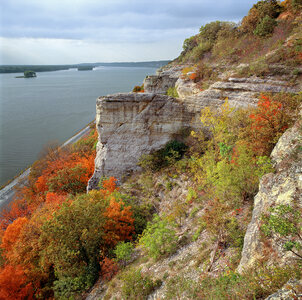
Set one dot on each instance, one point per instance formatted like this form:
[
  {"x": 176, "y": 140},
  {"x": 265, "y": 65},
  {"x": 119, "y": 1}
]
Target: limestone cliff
[
  {"x": 130, "y": 125},
  {"x": 162, "y": 81},
  {"x": 133, "y": 124},
  {"x": 282, "y": 187}
]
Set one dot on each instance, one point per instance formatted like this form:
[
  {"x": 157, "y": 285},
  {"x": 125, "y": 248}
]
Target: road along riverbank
[{"x": 8, "y": 192}]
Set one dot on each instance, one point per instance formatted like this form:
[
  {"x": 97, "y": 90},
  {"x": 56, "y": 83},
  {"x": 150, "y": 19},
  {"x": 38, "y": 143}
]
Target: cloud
[
  {"x": 62, "y": 51},
  {"x": 111, "y": 22}
]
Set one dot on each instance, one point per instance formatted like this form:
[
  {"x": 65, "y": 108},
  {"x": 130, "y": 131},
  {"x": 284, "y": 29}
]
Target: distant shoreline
[{"x": 49, "y": 68}]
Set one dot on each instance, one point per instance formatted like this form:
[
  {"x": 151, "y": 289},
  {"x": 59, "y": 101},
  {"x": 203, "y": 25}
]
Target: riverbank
[{"x": 7, "y": 193}]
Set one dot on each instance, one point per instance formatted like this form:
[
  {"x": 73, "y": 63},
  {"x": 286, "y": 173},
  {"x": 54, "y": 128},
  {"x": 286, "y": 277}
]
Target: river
[{"x": 52, "y": 107}]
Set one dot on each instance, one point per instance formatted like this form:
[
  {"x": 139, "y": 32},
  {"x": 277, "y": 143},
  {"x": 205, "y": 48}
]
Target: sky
[{"x": 77, "y": 31}]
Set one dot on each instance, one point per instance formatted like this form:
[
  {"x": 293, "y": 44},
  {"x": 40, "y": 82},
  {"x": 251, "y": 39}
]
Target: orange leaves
[
  {"x": 42, "y": 202},
  {"x": 12, "y": 233},
  {"x": 119, "y": 224},
  {"x": 14, "y": 284},
  {"x": 267, "y": 124},
  {"x": 15, "y": 210},
  {"x": 192, "y": 75},
  {"x": 69, "y": 173},
  {"x": 108, "y": 268},
  {"x": 109, "y": 186}
]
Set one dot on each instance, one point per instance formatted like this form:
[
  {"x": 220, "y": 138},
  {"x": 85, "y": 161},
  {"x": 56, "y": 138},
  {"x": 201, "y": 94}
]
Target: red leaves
[
  {"x": 14, "y": 284},
  {"x": 267, "y": 124},
  {"x": 68, "y": 173},
  {"x": 108, "y": 268},
  {"x": 15, "y": 210}
]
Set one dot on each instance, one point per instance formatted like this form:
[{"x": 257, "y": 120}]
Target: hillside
[{"x": 196, "y": 186}]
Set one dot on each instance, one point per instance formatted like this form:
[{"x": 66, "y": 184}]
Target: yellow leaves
[
  {"x": 186, "y": 70},
  {"x": 193, "y": 133},
  {"x": 219, "y": 122}
]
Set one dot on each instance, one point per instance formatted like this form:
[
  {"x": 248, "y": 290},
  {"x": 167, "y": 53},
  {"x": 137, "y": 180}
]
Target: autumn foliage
[
  {"x": 53, "y": 233},
  {"x": 14, "y": 284},
  {"x": 268, "y": 122},
  {"x": 108, "y": 268},
  {"x": 12, "y": 233},
  {"x": 119, "y": 224}
]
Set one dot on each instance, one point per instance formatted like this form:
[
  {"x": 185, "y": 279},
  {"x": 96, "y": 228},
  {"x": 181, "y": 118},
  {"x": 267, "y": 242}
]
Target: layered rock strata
[{"x": 130, "y": 125}]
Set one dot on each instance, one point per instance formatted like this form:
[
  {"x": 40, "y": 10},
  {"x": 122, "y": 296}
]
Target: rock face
[
  {"x": 161, "y": 82},
  {"x": 130, "y": 125},
  {"x": 283, "y": 187},
  {"x": 291, "y": 291}
]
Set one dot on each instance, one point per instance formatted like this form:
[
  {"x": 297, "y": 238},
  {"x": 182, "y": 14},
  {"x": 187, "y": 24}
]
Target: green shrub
[
  {"x": 265, "y": 27},
  {"x": 68, "y": 287},
  {"x": 164, "y": 157},
  {"x": 210, "y": 31},
  {"x": 235, "y": 234},
  {"x": 123, "y": 251},
  {"x": 189, "y": 44},
  {"x": 136, "y": 286},
  {"x": 201, "y": 49},
  {"x": 284, "y": 222},
  {"x": 159, "y": 238},
  {"x": 172, "y": 92}
]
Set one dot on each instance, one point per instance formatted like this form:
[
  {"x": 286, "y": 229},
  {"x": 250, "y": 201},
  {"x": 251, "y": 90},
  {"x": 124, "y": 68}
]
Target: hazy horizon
[{"x": 85, "y": 62}]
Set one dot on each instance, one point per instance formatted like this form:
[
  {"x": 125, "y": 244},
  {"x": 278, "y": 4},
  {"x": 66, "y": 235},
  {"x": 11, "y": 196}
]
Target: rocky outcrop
[
  {"x": 282, "y": 187},
  {"x": 186, "y": 88},
  {"x": 130, "y": 125},
  {"x": 162, "y": 81},
  {"x": 292, "y": 290}
]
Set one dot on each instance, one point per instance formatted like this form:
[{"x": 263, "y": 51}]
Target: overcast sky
[{"x": 75, "y": 31}]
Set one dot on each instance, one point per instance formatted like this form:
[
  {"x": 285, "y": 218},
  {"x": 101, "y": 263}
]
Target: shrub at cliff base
[
  {"x": 163, "y": 157},
  {"x": 159, "y": 238}
]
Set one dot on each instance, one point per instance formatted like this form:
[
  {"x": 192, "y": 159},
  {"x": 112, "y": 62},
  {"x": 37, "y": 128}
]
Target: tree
[
  {"x": 119, "y": 222},
  {"x": 12, "y": 233},
  {"x": 260, "y": 10},
  {"x": 268, "y": 122},
  {"x": 29, "y": 74},
  {"x": 265, "y": 26},
  {"x": 73, "y": 235},
  {"x": 14, "y": 284}
]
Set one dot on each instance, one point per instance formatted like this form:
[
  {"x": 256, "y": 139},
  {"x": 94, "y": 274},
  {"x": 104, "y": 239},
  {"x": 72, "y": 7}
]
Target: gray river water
[{"x": 52, "y": 107}]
